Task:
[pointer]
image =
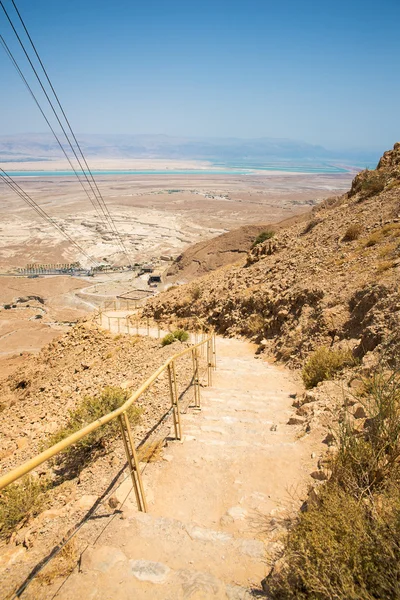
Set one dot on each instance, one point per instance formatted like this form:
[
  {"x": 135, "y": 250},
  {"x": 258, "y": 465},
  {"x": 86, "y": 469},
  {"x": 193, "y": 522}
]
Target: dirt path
[{"x": 211, "y": 499}]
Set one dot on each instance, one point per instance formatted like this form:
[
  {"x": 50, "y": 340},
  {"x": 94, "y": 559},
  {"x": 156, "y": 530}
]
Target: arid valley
[{"x": 157, "y": 215}]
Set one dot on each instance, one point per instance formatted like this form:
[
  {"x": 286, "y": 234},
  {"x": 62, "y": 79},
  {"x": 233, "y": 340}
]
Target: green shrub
[
  {"x": 181, "y": 335},
  {"x": 19, "y": 502},
  {"x": 168, "y": 339},
  {"x": 90, "y": 409},
  {"x": 263, "y": 236},
  {"x": 324, "y": 363},
  {"x": 178, "y": 334},
  {"x": 372, "y": 183}
]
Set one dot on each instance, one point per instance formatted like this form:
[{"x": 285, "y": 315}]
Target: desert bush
[
  {"x": 151, "y": 451},
  {"x": 263, "y": 236},
  {"x": 179, "y": 334},
  {"x": 344, "y": 545},
  {"x": 310, "y": 226},
  {"x": 342, "y": 549},
  {"x": 385, "y": 266},
  {"x": 391, "y": 230},
  {"x": 196, "y": 292},
  {"x": 7, "y": 306},
  {"x": 90, "y": 409},
  {"x": 352, "y": 232},
  {"x": 324, "y": 363},
  {"x": 255, "y": 325},
  {"x": 62, "y": 565},
  {"x": 372, "y": 183},
  {"x": 168, "y": 339},
  {"x": 19, "y": 502}
]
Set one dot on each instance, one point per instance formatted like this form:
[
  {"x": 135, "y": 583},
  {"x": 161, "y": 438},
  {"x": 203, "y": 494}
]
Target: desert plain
[{"x": 155, "y": 214}]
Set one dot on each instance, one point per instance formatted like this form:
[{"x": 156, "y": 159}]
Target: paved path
[{"x": 210, "y": 500}]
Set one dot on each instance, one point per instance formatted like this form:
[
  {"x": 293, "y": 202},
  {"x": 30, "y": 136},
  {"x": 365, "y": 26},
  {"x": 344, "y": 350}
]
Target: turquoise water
[
  {"x": 225, "y": 170},
  {"x": 124, "y": 172}
]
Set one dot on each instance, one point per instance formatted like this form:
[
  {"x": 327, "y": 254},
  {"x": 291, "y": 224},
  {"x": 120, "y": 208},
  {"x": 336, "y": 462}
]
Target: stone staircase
[{"x": 211, "y": 499}]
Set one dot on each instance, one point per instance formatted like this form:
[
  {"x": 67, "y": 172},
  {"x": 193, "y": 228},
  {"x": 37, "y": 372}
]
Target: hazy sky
[{"x": 322, "y": 71}]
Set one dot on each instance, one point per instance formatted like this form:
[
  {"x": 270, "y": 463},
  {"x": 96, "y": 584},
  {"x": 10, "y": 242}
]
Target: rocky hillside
[
  {"x": 332, "y": 280},
  {"x": 212, "y": 254}
]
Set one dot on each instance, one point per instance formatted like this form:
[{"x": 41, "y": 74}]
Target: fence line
[{"x": 121, "y": 414}]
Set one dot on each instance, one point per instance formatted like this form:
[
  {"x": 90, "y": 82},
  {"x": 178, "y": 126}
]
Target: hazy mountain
[{"x": 37, "y": 146}]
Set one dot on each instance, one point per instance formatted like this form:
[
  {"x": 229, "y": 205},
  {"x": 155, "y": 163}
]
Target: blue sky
[{"x": 326, "y": 72}]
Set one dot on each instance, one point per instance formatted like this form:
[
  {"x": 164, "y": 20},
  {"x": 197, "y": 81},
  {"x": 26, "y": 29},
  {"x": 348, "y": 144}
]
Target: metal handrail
[{"x": 120, "y": 413}]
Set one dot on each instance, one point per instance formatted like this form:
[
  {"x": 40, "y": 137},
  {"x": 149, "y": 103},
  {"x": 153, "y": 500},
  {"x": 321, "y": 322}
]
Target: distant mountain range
[{"x": 35, "y": 146}]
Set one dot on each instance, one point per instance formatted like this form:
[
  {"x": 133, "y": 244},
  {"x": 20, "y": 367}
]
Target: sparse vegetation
[
  {"x": 62, "y": 565},
  {"x": 181, "y": 335},
  {"x": 90, "y": 409},
  {"x": 151, "y": 451},
  {"x": 178, "y": 334},
  {"x": 324, "y": 363},
  {"x": 168, "y": 339},
  {"x": 19, "y": 502},
  {"x": 263, "y": 236},
  {"x": 391, "y": 230},
  {"x": 345, "y": 544},
  {"x": 196, "y": 292},
  {"x": 385, "y": 266},
  {"x": 352, "y": 232},
  {"x": 255, "y": 325},
  {"x": 372, "y": 183},
  {"x": 310, "y": 226}
]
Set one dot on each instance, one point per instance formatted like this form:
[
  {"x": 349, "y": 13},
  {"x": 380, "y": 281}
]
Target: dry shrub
[
  {"x": 324, "y": 363},
  {"x": 255, "y": 325},
  {"x": 151, "y": 451},
  {"x": 342, "y": 549},
  {"x": 385, "y": 266},
  {"x": 352, "y": 232},
  {"x": 391, "y": 230},
  {"x": 345, "y": 544},
  {"x": 62, "y": 565},
  {"x": 196, "y": 292},
  {"x": 310, "y": 226},
  {"x": 21, "y": 501}
]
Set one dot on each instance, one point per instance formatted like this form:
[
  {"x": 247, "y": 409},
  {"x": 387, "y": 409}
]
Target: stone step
[
  {"x": 108, "y": 573},
  {"x": 182, "y": 545}
]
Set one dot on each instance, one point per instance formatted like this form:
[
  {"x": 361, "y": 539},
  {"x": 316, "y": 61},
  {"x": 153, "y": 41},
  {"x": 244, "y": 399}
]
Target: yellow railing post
[
  {"x": 196, "y": 382},
  {"x": 209, "y": 363},
  {"x": 119, "y": 324},
  {"x": 173, "y": 390},
  {"x": 132, "y": 462},
  {"x": 127, "y": 324},
  {"x": 136, "y": 464}
]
